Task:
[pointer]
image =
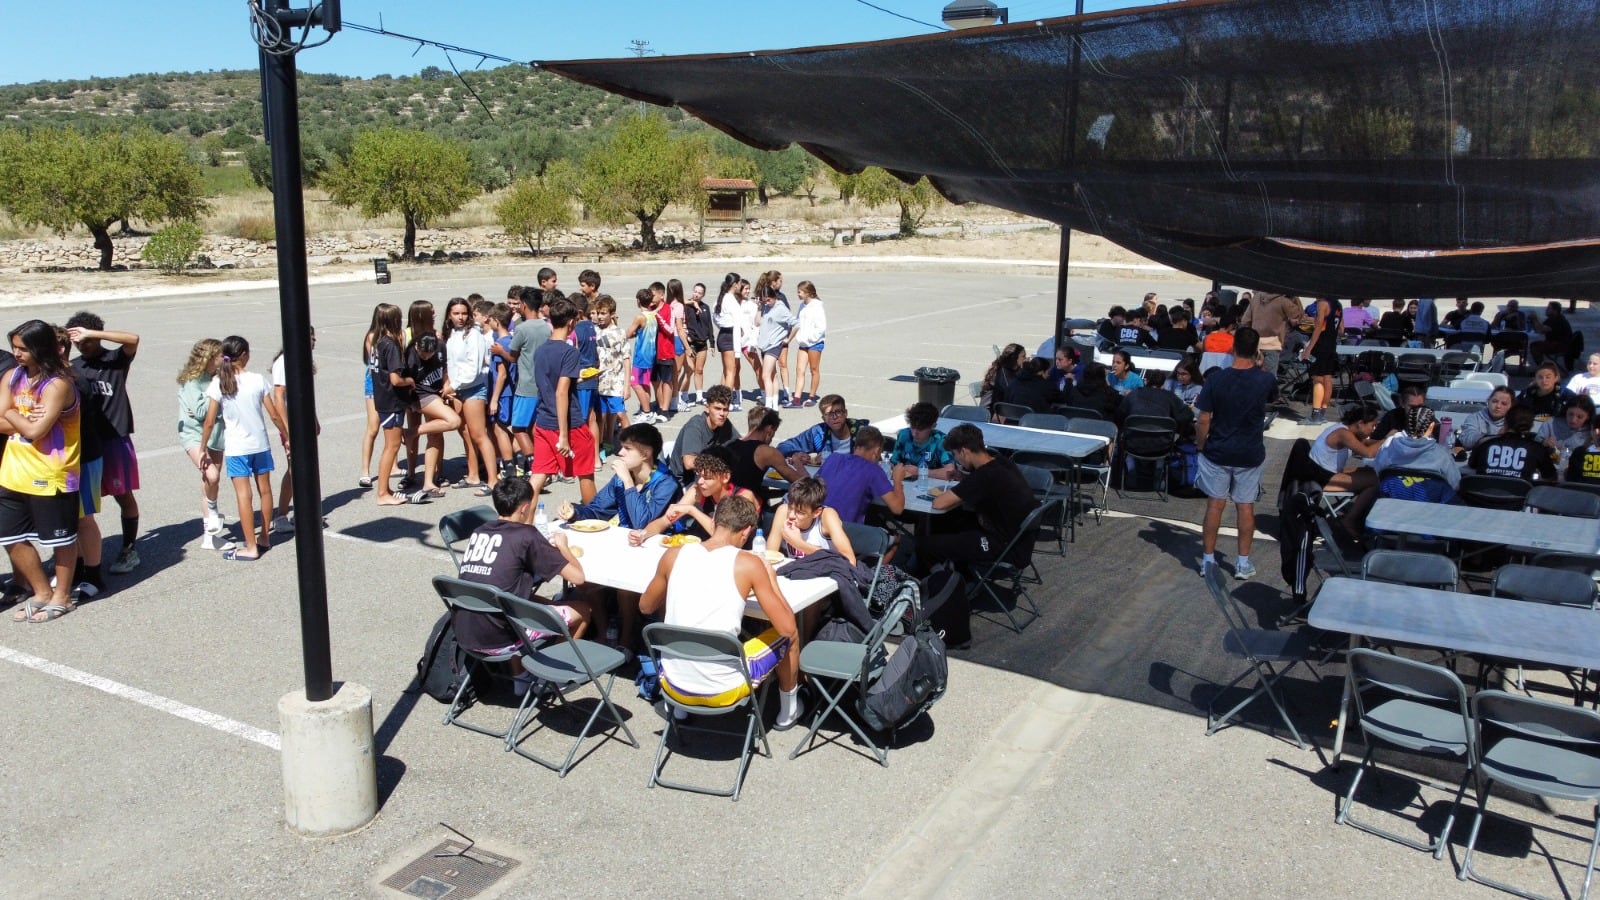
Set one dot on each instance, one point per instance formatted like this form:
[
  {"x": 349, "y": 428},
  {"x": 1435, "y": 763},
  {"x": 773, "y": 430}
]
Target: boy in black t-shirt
[
  {"x": 108, "y": 411},
  {"x": 512, "y": 555}
]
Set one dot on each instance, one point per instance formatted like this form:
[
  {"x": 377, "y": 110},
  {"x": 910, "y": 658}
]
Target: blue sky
[{"x": 62, "y": 39}]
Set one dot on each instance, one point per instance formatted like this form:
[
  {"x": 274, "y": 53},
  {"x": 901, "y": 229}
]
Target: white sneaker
[
  {"x": 214, "y": 525},
  {"x": 216, "y": 542}
]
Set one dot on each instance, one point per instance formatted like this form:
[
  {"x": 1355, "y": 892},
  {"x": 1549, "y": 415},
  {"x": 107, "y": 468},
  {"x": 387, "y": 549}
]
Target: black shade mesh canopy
[{"x": 1345, "y": 147}]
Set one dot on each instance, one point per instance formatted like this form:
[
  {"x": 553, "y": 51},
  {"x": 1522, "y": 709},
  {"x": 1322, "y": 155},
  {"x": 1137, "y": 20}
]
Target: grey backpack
[{"x": 913, "y": 678}]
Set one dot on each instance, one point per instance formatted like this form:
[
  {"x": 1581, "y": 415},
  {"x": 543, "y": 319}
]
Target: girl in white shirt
[
  {"x": 466, "y": 354},
  {"x": 243, "y": 400},
  {"x": 809, "y": 335},
  {"x": 750, "y": 327},
  {"x": 725, "y": 315},
  {"x": 1587, "y": 383}
]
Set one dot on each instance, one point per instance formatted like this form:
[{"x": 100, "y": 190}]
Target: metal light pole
[
  {"x": 281, "y": 111},
  {"x": 1071, "y": 160}
]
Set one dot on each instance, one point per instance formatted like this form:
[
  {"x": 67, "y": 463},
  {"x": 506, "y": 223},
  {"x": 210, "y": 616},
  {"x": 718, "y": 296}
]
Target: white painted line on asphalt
[
  {"x": 1224, "y": 531},
  {"x": 144, "y": 698}
]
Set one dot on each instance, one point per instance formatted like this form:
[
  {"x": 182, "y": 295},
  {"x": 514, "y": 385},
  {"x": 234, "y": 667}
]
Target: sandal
[
  {"x": 418, "y": 497},
  {"x": 26, "y": 611},
  {"x": 234, "y": 556},
  {"x": 434, "y": 493},
  {"x": 51, "y": 612},
  {"x": 464, "y": 484},
  {"x": 485, "y": 491},
  {"x": 365, "y": 481}
]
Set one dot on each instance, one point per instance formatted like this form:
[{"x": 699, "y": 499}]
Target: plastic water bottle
[
  {"x": 922, "y": 475},
  {"x": 759, "y": 545},
  {"x": 541, "y": 521}
]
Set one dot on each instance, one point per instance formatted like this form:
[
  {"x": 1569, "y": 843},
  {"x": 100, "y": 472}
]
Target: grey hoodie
[{"x": 1416, "y": 454}]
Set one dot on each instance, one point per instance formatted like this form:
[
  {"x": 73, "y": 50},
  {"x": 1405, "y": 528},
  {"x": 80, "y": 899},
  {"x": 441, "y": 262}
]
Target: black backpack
[
  {"x": 913, "y": 679},
  {"x": 443, "y": 666}
]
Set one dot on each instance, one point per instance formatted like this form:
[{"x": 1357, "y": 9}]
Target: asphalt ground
[{"x": 137, "y": 735}]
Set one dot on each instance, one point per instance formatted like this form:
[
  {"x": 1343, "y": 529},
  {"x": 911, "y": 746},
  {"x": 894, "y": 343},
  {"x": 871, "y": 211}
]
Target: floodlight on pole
[{"x": 974, "y": 14}]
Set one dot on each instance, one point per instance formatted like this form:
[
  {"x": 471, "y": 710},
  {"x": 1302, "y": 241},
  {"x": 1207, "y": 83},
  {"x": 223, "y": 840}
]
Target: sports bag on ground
[
  {"x": 913, "y": 679},
  {"x": 442, "y": 666}
]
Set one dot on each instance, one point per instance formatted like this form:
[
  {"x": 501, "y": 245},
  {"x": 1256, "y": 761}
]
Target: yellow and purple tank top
[{"x": 50, "y": 464}]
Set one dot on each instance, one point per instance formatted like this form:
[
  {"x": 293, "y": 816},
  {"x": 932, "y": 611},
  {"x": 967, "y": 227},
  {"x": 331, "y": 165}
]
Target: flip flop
[
  {"x": 365, "y": 481},
  {"x": 463, "y": 485},
  {"x": 51, "y": 612},
  {"x": 233, "y": 556},
  {"x": 419, "y": 497},
  {"x": 434, "y": 493},
  {"x": 484, "y": 491}
]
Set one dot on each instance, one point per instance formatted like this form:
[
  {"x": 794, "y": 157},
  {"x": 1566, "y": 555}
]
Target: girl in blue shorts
[{"x": 242, "y": 400}]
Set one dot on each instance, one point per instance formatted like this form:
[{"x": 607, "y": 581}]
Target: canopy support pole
[{"x": 1061, "y": 288}]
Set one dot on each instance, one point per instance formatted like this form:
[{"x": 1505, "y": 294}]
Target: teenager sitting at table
[
  {"x": 709, "y": 429},
  {"x": 1515, "y": 452},
  {"x": 1179, "y": 334},
  {"x": 754, "y": 454},
  {"x": 1186, "y": 381},
  {"x": 1471, "y": 328},
  {"x": 1068, "y": 367},
  {"x": 1400, "y": 318},
  {"x": 1348, "y": 438},
  {"x": 1569, "y": 431},
  {"x": 1153, "y": 399},
  {"x": 1412, "y": 465},
  {"x": 999, "y": 375},
  {"x": 834, "y": 434},
  {"x": 693, "y": 512},
  {"x": 1094, "y": 391},
  {"x": 512, "y": 555},
  {"x": 1032, "y": 387},
  {"x": 855, "y": 479},
  {"x": 1358, "y": 318},
  {"x": 999, "y": 499},
  {"x": 1510, "y": 318},
  {"x": 1556, "y": 338},
  {"x": 1545, "y": 394},
  {"x": 1453, "y": 318},
  {"x": 1487, "y": 422},
  {"x": 705, "y": 586},
  {"x": 805, "y": 524},
  {"x": 641, "y": 486},
  {"x": 921, "y": 442},
  {"x": 1587, "y": 382},
  {"x": 1394, "y": 421},
  {"x": 1123, "y": 377},
  {"x": 1115, "y": 330},
  {"x": 1584, "y": 466}
]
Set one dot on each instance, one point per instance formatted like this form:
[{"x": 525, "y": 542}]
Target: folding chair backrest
[
  {"x": 457, "y": 526},
  {"x": 1587, "y": 563},
  {"x": 1077, "y": 413},
  {"x": 1149, "y": 437},
  {"x": 1410, "y": 567},
  {"x": 879, "y": 634},
  {"x": 1011, "y": 412},
  {"x": 1048, "y": 421},
  {"x": 1562, "y": 725},
  {"x": 975, "y": 390},
  {"x": 701, "y": 646},
  {"x": 1225, "y": 603},
  {"x": 1563, "y": 587},
  {"x": 870, "y": 543},
  {"x": 1410, "y": 678},
  {"x": 1494, "y": 491},
  {"x": 526, "y": 614},
  {"x": 1038, "y": 479},
  {"x": 1013, "y": 553},
  {"x": 1497, "y": 363},
  {"x": 1151, "y": 423},
  {"x": 468, "y": 595},
  {"x": 1095, "y": 426},
  {"x": 1582, "y": 487},
  {"x": 964, "y": 413},
  {"x": 1557, "y": 501}
]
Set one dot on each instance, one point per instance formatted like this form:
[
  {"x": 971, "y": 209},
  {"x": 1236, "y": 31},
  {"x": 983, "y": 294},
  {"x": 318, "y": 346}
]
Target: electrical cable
[{"x": 902, "y": 16}]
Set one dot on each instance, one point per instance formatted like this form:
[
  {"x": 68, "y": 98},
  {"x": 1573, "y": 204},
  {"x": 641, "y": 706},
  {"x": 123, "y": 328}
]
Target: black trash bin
[{"x": 936, "y": 385}]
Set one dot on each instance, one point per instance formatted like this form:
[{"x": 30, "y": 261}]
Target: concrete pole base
[{"x": 330, "y": 767}]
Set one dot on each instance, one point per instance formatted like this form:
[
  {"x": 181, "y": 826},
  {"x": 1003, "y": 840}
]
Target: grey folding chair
[
  {"x": 1410, "y": 567},
  {"x": 1011, "y": 413},
  {"x": 1261, "y": 648},
  {"x": 709, "y": 648},
  {"x": 1560, "y": 501},
  {"x": 475, "y": 598},
  {"x": 1329, "y": 557},
  {"x": 975, "y": 390},
  {"x": 870, "y": 543},
  {"x": 1414, "y": 706},
  {"x": 1076, "y": 412},
  {"x": 458, "y": 526},
  {"x": 1540, "y": 748},
  {"x": 1152, "y": 439},
  {"x": 1562, "y": 587},
  {"x": 834, "y": 667},
  {"x": 1097, "y": 464},
  {"x": 565, "y": 664},
  {"x": 1494, "y": 491},
  {"x": 1007, "y": 571},
  {"x": 1050, "y": 420},
  {"x": 965, "y": 413},
  {"x": 1057, "y": 496}
]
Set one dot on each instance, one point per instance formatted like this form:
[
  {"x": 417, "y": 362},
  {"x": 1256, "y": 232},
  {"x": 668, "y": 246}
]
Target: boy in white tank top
[{"x": 704, "y": 586}]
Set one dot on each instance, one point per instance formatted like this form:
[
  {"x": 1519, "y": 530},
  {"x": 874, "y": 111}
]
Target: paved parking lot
[{"x": 138, "y": 734}]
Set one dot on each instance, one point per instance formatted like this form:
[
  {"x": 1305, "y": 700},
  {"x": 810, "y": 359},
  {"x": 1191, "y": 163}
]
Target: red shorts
[{"x": 546, "y": 461}]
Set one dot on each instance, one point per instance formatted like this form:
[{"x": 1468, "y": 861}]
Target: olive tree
[
  {"x": 415, "y": 174},
  {"x": 538, "y": 204},
  {"x": 640, "y": 170},
  {"x": 875, "y": 187},
  {"x": 61, "y": 178}
]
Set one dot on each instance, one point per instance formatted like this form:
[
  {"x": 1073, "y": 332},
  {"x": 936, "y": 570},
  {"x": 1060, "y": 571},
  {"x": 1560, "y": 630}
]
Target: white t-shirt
[
  {"x": 278, "y": 376},
  {"x": 244, "y": 417},
  {"x": 466, "y": 353},
  {"x": 1586, "y": 384}
]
